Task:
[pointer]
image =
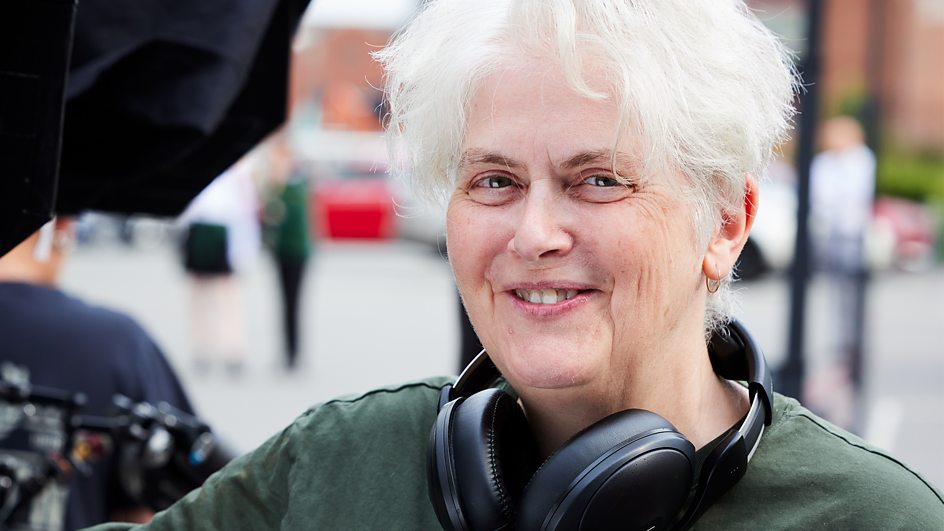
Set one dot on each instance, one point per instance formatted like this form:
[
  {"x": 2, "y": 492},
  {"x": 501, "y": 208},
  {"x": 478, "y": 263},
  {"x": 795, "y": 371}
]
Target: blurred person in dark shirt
[
  {"x": 287, "y": 234},
  {"x": 52, "y": 339}
]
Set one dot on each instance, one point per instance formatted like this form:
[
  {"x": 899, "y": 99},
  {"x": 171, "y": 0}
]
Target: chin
[{"x": 549, "y": 367}]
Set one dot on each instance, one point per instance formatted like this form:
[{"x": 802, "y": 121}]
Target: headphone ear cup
[
  {"x": 492, "y": 456},
  {"x": 630, "y": 470}
]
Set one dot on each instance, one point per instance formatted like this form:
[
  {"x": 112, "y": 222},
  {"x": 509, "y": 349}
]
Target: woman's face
[{"x": 570, "y": 277}]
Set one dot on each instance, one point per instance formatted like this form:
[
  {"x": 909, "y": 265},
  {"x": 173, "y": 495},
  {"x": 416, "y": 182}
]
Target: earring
[{"x": 713, "y": 285}]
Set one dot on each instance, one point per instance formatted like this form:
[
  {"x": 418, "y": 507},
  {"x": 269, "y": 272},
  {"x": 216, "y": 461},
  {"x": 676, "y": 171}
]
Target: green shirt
[
  {"x": 287, "y": 224},
  {"x": 359, "y": 463}
]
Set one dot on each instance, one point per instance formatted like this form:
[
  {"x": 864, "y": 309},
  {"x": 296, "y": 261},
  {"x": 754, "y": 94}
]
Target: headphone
[{"x": 630, "y": 470}]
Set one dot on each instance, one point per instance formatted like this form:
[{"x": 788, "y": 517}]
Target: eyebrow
[
  {"x": 599, "y": 156},
  {"x": 472, "y": 157}
]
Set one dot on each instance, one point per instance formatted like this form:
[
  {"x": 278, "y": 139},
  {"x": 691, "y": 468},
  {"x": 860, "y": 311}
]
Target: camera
[{"x": 162, "y": 453}]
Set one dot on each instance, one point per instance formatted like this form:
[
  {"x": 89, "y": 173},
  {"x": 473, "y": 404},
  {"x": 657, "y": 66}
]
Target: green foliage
[
  {"x": 912, "y": 175},
  {"x": 852, "y": 101}
]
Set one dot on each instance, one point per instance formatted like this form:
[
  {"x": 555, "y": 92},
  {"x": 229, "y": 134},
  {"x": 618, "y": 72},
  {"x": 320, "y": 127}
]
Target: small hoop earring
[{"x": 713, "y": 285}]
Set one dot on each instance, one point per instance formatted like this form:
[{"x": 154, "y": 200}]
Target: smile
[{"x": 546, "y": 296}]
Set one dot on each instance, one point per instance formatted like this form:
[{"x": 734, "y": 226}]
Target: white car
[{"x": 770, "y": 247}]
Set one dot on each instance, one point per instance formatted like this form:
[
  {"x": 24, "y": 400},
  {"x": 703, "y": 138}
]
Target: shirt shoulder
[
  {"x": 392, "y": 411},
  {"x": 318, "y": 472},
  {"x": 875, "y": 465},
  {"x": 36, "y": 307},
  {"x": 809, "y": 473}
]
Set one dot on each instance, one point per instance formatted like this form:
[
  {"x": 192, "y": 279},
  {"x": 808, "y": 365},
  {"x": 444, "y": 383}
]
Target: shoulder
[
  {"x": 77, "y": 313},
  {"x": 808, "y": 473},
  {"x": 381, "y": 435},
  {"x": 49, "y": 318},
  {"x": 828, "y": 475},
  {"x": 387, "y": 421},
  {"x": 798, "y": 432},
  {"x": 411, "y": 404}
]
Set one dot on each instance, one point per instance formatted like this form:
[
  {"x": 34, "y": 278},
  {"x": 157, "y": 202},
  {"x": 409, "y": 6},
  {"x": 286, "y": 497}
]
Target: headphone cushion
[
  {"x": 494, "y": 454},
  {"x": 562, "y": 488}
]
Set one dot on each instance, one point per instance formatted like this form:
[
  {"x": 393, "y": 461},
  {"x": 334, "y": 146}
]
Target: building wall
[
  {"x": 333, "y": 69},
  {"x": 891, "y": 48},
  {"x": 915, "y": 76},
  {"x": 894, "y": 51}
]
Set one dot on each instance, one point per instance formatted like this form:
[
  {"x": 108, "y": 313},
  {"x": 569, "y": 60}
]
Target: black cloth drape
[
  {"x": 161, "y": 97},
  {"x": 35, "y": 39}
]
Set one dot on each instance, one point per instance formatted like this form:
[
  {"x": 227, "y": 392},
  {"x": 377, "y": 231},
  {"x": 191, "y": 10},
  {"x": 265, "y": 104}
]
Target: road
[{"x": 378, "y": 313}]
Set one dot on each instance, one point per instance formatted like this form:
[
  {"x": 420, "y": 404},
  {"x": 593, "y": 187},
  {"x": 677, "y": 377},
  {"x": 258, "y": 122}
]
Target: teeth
[{"x": 545, "y": 296}]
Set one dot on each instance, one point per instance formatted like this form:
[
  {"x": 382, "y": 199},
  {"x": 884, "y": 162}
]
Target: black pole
[
  {"x": 870, "y": 116},
  {"x": 793, "y": 370}
]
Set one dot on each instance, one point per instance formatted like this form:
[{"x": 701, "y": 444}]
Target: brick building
[{"x": 890, "y": 50}]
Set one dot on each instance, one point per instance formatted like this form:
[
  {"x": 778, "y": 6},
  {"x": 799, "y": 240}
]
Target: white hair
[{"x": 703, "y": 84}]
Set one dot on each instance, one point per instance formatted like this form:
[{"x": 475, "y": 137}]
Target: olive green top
[
  {"x": 287, "y": 223},
  {"x": 359, "y": 463}
]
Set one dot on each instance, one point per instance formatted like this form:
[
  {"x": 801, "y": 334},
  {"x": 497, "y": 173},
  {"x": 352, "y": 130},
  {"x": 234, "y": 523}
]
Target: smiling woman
[
  {"x": 598, "y": 161},
  {"x": 540, "y": 209}
]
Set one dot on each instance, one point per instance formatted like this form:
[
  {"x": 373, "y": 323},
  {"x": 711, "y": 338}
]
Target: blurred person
[
  {"x": 52, "y": 339},
  {"x": 222, "y": 238},
  {"x": 842, "y": 193},
  {"x": 599, "y": 162},
  {"x": 288, "y": 234}
]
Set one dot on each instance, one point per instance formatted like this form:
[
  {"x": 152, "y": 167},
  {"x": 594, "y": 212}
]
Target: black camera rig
[{"x": 161, "y": 452}]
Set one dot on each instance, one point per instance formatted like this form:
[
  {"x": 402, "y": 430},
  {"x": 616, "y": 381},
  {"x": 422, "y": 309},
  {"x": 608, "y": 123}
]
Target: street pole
[{"x": 792, "y": 373}]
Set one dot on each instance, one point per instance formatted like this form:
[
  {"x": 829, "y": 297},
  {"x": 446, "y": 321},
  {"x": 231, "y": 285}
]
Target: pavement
[{"x": 387, "y": 312}]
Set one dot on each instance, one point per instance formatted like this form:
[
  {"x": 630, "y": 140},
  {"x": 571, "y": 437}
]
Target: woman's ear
[{"x": 726, "y": 244}]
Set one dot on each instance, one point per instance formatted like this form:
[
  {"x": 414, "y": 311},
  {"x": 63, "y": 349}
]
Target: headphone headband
[{"x": 479, "y": 374}]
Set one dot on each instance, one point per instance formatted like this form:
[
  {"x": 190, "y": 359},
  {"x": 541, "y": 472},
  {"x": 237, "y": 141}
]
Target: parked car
[
  {"x": 771, "y": 243},
  {"x": 910, "y": 228},
  {"x": 353, "y": 194}
]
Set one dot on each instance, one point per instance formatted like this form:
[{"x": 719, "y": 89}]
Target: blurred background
[{"x": 859, "y": 338}]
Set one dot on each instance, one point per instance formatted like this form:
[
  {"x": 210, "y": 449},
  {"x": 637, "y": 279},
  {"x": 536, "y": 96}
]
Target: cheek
[
  {"x": 471, "y": 245},
  {"x": 656, "y": 255}
]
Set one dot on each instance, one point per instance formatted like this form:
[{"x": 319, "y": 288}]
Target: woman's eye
[
  {"x": 601, "y": 181},
  {"x": 494, "y": 189},
  {"x": 602, "y": 188},
  {"x": 494, "y": 181}
]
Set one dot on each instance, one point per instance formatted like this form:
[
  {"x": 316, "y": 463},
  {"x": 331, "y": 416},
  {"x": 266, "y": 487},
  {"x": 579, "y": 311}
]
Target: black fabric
[
  {"x": 162, "y": 96},
  {"x": 35, "y": 41},
  {"x": 67, "y": 344},
  {"x": 166, "y": 94}
]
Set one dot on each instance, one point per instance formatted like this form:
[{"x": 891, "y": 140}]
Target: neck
[
  {"x": 683, "y": 389},
  {"x": 19, "y": 265}
]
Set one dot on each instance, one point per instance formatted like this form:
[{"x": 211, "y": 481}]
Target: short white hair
[{"x": 703, "y": 84}]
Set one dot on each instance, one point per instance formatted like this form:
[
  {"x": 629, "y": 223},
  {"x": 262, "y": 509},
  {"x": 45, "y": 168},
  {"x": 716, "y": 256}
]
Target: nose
[{"x": 541, "y": 232}]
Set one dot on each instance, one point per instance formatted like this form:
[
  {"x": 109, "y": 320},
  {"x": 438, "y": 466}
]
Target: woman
[{"x": 599, "y": 159}]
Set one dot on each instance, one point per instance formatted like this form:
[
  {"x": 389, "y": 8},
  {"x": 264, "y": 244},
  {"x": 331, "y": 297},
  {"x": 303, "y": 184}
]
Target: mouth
[{"x": 546, "y": 296}]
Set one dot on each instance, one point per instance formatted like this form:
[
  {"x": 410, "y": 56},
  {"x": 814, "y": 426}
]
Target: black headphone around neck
[{"x": 631, "y": 470}]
